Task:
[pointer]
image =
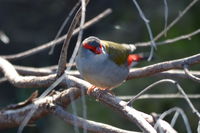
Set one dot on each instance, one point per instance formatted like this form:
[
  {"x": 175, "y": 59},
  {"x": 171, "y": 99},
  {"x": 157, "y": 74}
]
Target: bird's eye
[{"x": 98, "y": 50}]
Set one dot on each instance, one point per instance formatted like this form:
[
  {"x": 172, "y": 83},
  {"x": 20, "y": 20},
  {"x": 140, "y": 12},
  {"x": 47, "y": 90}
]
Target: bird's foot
[
  {"x": 102, "y": 90},
  {"x": 91, "y": 89}
]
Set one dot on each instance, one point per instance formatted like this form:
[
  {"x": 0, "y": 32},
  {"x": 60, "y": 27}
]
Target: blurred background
[{"x": 32, "y": 23}]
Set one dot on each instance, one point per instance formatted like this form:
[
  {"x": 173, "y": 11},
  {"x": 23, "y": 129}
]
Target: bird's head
[{"x": 93, "y": 44}]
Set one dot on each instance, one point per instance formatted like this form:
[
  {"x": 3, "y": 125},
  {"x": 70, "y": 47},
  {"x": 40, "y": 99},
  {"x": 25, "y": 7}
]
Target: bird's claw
[{"x": 90, "y": 89}]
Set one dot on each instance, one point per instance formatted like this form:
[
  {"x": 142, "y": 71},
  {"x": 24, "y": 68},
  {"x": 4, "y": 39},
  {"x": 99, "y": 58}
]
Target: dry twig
[
  {"x": 176, "y": 19},
  {"x": 51, "y": 104},
  {"x": 160, "y": 96},
  {"x": 190, "y": 75},
  {"x": 44, "y": 81},
  {"x": 58, "y": 41},
  {"x": 91, "y": 126},
  {"x": 168, "y": 41},
  {"x": 63, "y": 54},
  {"x": 121, "y": 107}
]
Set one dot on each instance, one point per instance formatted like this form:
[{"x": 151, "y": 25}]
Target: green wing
[{"x": 117, "y": 52}]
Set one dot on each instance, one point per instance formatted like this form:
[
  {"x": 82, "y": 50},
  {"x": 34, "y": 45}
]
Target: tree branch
[
  {"x": 44, "y": 81},
  {"x": 112, "y": 102},
  {"x": 24, "y": 81},
  {"x": 122, "y": 108},
  {"x": 88, "y": 124},
  {"x": 174, "y": 73},
  {"x": 13, "y": 117},
  {"x": 163, "y": 66}
]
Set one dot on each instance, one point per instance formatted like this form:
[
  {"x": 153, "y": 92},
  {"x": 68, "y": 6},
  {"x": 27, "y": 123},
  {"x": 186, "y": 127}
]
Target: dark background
[{"x": 31, "y": 23}]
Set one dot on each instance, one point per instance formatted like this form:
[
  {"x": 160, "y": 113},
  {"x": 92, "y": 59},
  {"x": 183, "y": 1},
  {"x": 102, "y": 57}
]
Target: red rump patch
[{"x": 133, "y": 58}]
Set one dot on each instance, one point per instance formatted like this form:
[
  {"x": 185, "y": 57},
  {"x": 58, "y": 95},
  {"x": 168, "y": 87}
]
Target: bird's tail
[{"x": 131, "y": 47}]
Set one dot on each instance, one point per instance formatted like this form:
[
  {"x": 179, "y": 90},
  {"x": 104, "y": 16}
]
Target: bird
[{"x": 105, "y": 64}]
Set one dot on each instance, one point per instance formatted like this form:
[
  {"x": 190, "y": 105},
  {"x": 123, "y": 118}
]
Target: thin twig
[
  {"x": 79, "y": 39},
  {"x": 174, "y": 119},
  {"x": 169, "y": 26},
  {"x": 189, "y": 74},
  {"x": 64, "y": 24},
  {"x": 168, "y": 41},
  {"x": 130, "y": 102},
  {"x": 160, "y": 96},
  {"x": 146, "y": 21},
  {"x": 25, "y": 70},
  {"x": 88, "y": 124},
  {"x": 84, "y": 105},
  {"x": 166, "y": 15},
  {"x": 194, "y": 110},
  {"x": 56, "y": 42},
  {"x": 63, "y": 54},
  {"x": 176, "y": 20},
  {"x": 180, "y": 111},
  {"x": 173, "y": 74},
  {"x": 76, "y": 130}
]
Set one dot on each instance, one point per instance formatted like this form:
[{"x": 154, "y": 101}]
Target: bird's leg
[{"x": 91, "y": 89}]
